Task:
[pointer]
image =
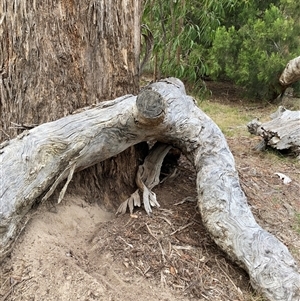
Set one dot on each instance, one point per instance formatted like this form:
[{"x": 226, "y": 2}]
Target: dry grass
[{"x": 232, "y": 120}]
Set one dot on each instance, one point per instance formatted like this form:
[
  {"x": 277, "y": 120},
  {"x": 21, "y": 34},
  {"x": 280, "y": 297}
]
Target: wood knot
[{"x": 150, "y": 105}]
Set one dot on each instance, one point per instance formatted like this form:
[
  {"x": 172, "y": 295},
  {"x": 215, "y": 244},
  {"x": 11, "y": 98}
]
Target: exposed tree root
[{"x": 147, "y": 177}]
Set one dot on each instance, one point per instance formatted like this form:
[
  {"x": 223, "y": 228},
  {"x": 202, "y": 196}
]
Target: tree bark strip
[{"x": 31, "y": 164}]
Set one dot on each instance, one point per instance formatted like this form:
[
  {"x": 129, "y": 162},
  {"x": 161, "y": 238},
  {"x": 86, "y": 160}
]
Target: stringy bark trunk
[
  {"x": 34, "y": 164},
  {"x": 60, "y": 55}
]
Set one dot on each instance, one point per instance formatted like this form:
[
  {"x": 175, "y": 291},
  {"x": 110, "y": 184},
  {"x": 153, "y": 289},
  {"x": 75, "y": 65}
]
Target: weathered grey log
[
  {"x": 282, "y": 132},
  {"x": 37, "y": 161}
]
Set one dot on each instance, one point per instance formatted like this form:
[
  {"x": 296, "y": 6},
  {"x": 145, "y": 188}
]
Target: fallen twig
[
  {"x": 12, "y": 286},
  {"x": 129, "y": 245},
  {"x": 182, "y": 228},
  {"x": 187, "y": 199},
  {"x": 163, "y": 253}
]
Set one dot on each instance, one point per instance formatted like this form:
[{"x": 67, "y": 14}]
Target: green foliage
[
  {"x": 248, "y": 42},
  {"x": 182, "y": 31},
  {"x": 255, "y": 54}
]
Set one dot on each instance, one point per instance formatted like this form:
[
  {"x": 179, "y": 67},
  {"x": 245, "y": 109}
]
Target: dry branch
[{"x": 37, "y": 161}]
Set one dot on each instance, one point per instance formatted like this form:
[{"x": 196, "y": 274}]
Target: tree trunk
[
  {"x": 291, "y": 72},
  {"x": 57, "y": 56},
  {"x": 165, "y": 113}
]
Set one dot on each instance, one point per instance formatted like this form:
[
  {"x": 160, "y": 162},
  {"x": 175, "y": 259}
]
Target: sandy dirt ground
[
  {"x": 79, "y": 251},
  {"x": 57, "y": 258}
]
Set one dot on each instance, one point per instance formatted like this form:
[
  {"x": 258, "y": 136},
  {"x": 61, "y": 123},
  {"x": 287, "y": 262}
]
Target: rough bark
[
  {"x": 282, "y": 132},
  {"x": 60, "y": 55},
  {"x": 291, "y": 72},
  {"x": 34, "y": 163}
]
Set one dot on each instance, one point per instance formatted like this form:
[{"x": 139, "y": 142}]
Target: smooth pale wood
[
  {"x": 147, "y": 177},
  {"x": 33, "y": 162},
  {"x": 282, "y": 132},
  {"x": 291, "y": 72}
]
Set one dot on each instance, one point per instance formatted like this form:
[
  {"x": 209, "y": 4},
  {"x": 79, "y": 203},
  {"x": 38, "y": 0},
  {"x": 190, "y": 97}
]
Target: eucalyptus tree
[
  {"x": 247, "y": 42},
  {"x": 182, "y": 30}
]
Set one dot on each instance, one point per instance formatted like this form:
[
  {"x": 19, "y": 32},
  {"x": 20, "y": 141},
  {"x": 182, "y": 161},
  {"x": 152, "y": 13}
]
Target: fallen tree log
[
  {"x": 34, "y": 163},
  {"x": 281, "y": 133}
]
